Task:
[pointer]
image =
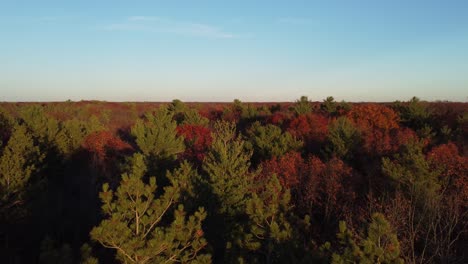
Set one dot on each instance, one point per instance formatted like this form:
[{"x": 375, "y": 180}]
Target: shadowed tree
[
  {"x": 6, "y": 125},
  {"x": 19, "y": 161},
  {"x": 420, "y": 188},
  {"x": 19, "y": 164}
]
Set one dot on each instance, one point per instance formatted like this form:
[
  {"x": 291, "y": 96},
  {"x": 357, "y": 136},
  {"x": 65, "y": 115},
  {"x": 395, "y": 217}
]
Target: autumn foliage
[
  {"x": 197, "y": 140},
  {"x": 104, "y": 147},
  {"x": 453, "y": 170},
  {"x": 311, "y": 128},
  {"x": 300, "y": 182},
  {"x": 287, "y": 168},
  {"x": 376, "y": 123},
  {"x": 326, "y": 187}
]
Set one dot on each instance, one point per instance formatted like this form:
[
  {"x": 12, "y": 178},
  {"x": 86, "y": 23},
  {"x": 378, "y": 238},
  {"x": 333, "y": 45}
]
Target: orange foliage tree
[
  {"x": 287, "y": 168},
  {"x": 376, "y": 123},
  {"x": 311, "y": 128},
  {"x": 454, "y": 171}
]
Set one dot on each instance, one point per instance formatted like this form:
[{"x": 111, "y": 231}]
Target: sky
[{"x": 138, "y": 50}]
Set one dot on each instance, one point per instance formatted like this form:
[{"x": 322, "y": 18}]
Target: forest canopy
[{"x": 302, "y": 182}]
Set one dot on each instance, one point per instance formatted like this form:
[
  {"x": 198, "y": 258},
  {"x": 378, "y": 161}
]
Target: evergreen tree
[
  {"x": 73, "y": 132},
  {"x": 412, "y": 173},
  {"x": 19, "y": 161},
  {"x": 157, "y": 137},
  {"x": 86, "y": 255},
  {"x": 415, "y": 113},
  {"x": 43, "y": 127},
  {"x": 192, "y": 117},
  {"x": 229, "y": 181},
  {"x": 7, "y": 123},
  {"x": 186, "y": 115},
  {"x": 177, "y": 106},
  {"x": 343, "y": 138},
  {"x": 380, "y": 246},
  {"x": 302, "y": 106},
  {"x": 51, "y": 253},
  {"x": 269, "y": 141},
  {"x": 269, "y": 227},
  {"x": 329, "y": 105},
  {"x": 146, "y": 229},
  {"x": 227, "y": 166}
]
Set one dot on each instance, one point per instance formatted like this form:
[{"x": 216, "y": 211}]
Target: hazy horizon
[{"x": 209, "y": 51}]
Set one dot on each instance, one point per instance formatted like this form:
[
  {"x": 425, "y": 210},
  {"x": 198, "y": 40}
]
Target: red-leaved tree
[
  {"x": 327, "y": 189},
  {"x": 197, "y": 140},
  {"x": 376, "y": 122},
  {"x": 105, "y": 148},
  {"x": 287, "y": 168},
  {"x": 454, "y": 171},
  {"x": 311, "y": 128}
]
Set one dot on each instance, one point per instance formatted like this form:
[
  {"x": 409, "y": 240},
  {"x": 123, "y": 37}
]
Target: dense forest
[{"x": 302, "y": 182}]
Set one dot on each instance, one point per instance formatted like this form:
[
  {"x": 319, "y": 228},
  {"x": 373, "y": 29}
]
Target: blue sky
[{"x": 222, "y": 50}]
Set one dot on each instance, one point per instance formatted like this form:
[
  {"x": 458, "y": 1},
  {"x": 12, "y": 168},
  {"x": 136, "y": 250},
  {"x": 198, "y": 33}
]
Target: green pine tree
[
  {"x": 143, "y": 228},
  {"x": 43, "y": 127},
  {"x": 302, "y": 106},
  {"x": 86, "y": 255},
  {"x": 73, "y": 132},
  {"x": 269, "y": 227},
  {"x": 229, "y": 181},
  {"x": 192, "y": 117},
  {"x": 227, "y": 167},
  {"x": 329, "y": 105},
  {"x": 412, "y": 174},
  {"x": 343, "y": 138},
  {"x": 7, "y": 123},
  {"x": 19, "y": 161},
  {"x": 269, "y": 141},
  {"x": 380, "y": 246},
  {"x": 52, "y": 253},
  {"x": 157, "y": 137}
]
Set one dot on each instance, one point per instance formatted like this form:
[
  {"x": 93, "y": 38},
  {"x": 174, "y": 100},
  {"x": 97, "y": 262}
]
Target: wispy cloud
[
  {"x": 295, "y": 21},
  {"x": 49, "y": 18},
  {"x": 143, "y": 18},
  {"x": 164, "y": 25}
]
